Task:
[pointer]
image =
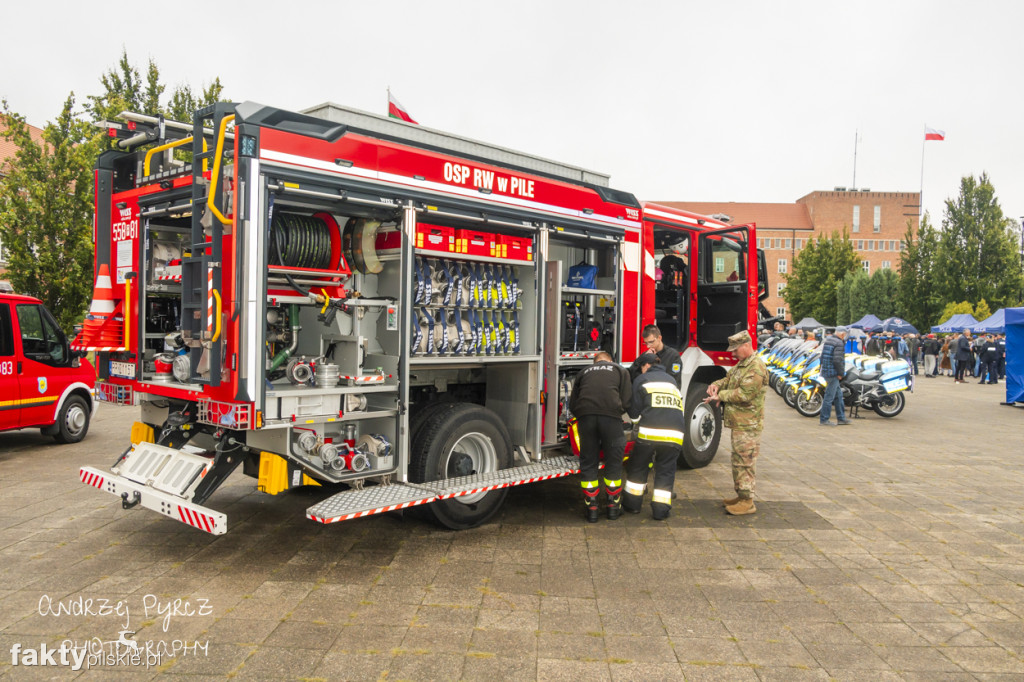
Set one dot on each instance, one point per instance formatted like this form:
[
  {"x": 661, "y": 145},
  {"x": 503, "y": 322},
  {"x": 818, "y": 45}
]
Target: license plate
[{"x": 124, "y": 370}]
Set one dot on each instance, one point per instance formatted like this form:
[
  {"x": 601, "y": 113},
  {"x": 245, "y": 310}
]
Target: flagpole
[{"x": 920, "y": 196}]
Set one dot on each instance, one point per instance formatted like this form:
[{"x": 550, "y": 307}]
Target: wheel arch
[{"x": 80, "y": 389}]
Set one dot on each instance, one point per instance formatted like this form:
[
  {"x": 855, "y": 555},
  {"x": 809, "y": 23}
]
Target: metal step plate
[
  {"x": 165, "y": 469},
  {"x": 556, "y": 467},
  {"x": 353, "y": 504}
]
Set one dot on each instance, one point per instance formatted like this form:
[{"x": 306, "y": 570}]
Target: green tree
[
  {"x": 46, "y": 213},
  {"x": 977, "y": 255},
  {"x": 183, "y": 102},
  {"x": 982, "y": 311},
  {"x": 860, "y": 284},
  {"x": 817, "y": 270},
  {"x": 920, "y": 299},
  {"x": 952, "y": 309},
  {"x": 843, "y": 300},
  {"x": 883, "y": 285},
  {"x": 124, "y": 90}
]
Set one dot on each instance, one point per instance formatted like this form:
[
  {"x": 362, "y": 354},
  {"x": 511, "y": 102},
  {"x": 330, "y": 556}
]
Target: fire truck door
[
  {"x": 722, "y": 283},
  {"x": 44, "y": 354},
  {"x": 10, "y": 394}
]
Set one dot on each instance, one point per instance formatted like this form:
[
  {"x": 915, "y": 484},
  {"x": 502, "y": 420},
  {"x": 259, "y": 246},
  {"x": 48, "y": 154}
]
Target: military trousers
[
  {"x": 746, "y": 445},
  {"x": 662, "y": 457}
]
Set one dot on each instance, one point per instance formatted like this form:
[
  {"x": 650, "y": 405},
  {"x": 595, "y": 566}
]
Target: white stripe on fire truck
[{"x": 391, "y": 178}]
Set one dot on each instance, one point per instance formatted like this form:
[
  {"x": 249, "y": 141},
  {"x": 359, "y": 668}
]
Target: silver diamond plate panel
[
  {"x": 555, "y": 466},
  {"x": 368, "y": 499}
]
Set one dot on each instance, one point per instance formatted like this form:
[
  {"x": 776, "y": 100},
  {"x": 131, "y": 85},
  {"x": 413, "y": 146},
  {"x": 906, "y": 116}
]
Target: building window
[
  {"x": 887, "y": 265},
  {"x": 903, "y": 245},
  {"x": 865, "y": 265},
  {"x": 856, "y": 218},
  {"x": 860, "y": 244},
  {"x": 867, "y": 245},
  {"x": 787, "y": 244},
  {"x": 878, "y": 218},
  {"x": 783, "y": 265},
  {"x": 780, "y": 288},
  {"x": 781, "y": 312},
  {"x": 719, "y": 264},
  {"x": 799, "y": 244}
]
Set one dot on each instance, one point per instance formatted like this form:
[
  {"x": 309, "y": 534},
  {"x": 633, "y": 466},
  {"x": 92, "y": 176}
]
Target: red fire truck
[{"x": 334, "y": 297}]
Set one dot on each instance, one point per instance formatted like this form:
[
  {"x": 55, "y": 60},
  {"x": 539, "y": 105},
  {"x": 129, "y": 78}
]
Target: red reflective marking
[{"x": 208, "y": 522}]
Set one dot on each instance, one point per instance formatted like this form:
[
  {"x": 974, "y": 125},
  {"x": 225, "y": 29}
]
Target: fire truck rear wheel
[
  {"x": 73, "y": 420},
  {"x": 703, "y": 430},
  {"x": 461, "y": 439}
]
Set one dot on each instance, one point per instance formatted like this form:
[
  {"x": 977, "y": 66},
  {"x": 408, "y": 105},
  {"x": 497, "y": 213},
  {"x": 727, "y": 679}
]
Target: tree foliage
[
  {"x": 951, "y": 309},
  {"x": 883, "y": 285},
  {"x": 920, "y": 299},
  {"x": 811, "y": 287},
  {"x": 46, "y": 198},
  {"x": 978, "y": 258},
  {"x": 46, "y": 213},
  {"x": 982, "y": 311}
]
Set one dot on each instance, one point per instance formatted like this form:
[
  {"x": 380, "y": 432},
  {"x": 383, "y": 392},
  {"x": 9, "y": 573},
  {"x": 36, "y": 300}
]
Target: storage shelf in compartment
[
  {"x": 469, "y": 360},
  {"x": 293, "y": 391},
  {"x": 467, "y": 256},
  {"x": 563, "y": 362},
  {"x": 588, "y": 292}
]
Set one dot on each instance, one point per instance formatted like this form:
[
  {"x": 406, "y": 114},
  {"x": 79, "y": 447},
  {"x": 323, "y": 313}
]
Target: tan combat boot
[
  {"x": 744, "y": 506},
  {"x": 730, "y": 502}
]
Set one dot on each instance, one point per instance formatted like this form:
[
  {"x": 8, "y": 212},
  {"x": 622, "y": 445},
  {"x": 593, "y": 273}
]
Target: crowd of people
[{"x": 960, "y": 355}]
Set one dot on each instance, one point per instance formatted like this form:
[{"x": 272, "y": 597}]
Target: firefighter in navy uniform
[
  {"x": 600, "y": 396},
  {"x": 668, "y": 357},
  {"x": 657, "y": 414}
]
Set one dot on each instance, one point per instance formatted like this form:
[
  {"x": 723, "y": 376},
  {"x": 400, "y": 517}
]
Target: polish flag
[
  {"x": 932, "y": 134},
  {"x": 396, "y": 110}
]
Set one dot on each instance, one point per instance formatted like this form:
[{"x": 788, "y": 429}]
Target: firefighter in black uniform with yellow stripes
[
  {"x": 600, "y": 396},
  {"x": 657, "y": 414}
]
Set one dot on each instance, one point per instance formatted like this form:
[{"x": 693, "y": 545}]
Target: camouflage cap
[{"x": 737, "y": 340}]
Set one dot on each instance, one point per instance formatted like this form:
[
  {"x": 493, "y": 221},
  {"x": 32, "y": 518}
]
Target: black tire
[
  {"x": 890, "y": 405},
  {"x": 703, "y": 430},
  {"x": 487, "y": 447},
  {"x": 791, "y": 392},
  {"x": 772, "y": 378},
  {"x": 73, "y": 420},
  {"x": 780, "y": 385},
  {"x": 810, "y": 407}
]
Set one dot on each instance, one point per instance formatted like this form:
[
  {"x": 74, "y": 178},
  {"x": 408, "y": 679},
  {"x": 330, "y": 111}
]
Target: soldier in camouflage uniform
[{"x": 741, "y": 393}]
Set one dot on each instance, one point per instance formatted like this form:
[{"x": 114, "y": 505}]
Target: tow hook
[{"x": 130, "y": 500}]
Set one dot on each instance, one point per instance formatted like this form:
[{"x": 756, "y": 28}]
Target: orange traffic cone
[{"x": 101, "y": 311}]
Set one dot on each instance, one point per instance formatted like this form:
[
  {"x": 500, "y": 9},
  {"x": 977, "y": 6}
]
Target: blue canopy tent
[
  {"x": 866, "y": 322},
  {"x": 993, "y": 324},
  {"x": 1014, "y": 321},
  {"x": 896, "y": 325},
  {"x": 957, "y": 323}
]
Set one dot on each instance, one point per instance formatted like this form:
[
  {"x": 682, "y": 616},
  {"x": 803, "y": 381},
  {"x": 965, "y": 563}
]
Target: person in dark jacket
[
  {"x": 657, "y": 413},
  {"x": 930, "y": 349},
  {"x": 989, "y": 355},
  {"x": 600, "y": 396},
  {"x": 964, "y": 356},
  {"x": 872, "y": 346},
  {"x": 914, "y": 348},
  {"x": 832, "y": 368},
  {"x": 668, "y": 357}
]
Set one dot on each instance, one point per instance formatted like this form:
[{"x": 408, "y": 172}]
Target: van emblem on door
[{"x": 42, "y": 384}]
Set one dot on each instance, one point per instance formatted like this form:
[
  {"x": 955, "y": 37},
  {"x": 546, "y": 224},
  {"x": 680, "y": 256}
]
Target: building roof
[
  {"x": 766, "y": 216},
  {"x": 8, "y": 149}
]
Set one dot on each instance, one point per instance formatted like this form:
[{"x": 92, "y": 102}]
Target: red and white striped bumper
[{"x": 208, "y": 520}]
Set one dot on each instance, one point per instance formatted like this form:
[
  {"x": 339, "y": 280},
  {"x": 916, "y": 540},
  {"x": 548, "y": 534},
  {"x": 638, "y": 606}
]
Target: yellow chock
[{"x": 142, "y": 433}]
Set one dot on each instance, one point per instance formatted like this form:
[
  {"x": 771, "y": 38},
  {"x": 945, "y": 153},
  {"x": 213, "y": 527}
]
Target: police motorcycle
[
  {"x": 877, "y": 383},
  {"x": 789, "y": 361},
  {"x": 776, "y": 357},
  {"x": 803, "y": 376}
]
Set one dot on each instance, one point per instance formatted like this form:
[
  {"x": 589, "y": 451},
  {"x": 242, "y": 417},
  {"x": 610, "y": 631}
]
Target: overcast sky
[{"x": 690, "y": 101}]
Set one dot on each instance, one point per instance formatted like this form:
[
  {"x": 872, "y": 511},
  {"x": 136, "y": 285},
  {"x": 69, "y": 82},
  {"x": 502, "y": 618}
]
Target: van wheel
[
  {"x": 703, "y": 430},
  {"x": 461, "y": 439},
  {"x": 72, "y": 421}
]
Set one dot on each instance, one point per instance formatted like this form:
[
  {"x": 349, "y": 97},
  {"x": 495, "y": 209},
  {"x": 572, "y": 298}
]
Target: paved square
[{"x": 892, "y": 549}]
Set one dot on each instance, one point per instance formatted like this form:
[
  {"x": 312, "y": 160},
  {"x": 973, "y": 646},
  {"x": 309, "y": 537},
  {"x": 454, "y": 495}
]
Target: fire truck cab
[
  {"x": 43, "y": 383},
  {"x": 334, "y": 297}
]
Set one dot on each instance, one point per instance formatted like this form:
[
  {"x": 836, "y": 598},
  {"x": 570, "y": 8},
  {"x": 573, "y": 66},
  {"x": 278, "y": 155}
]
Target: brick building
[{"x": 875, "y": 221}]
